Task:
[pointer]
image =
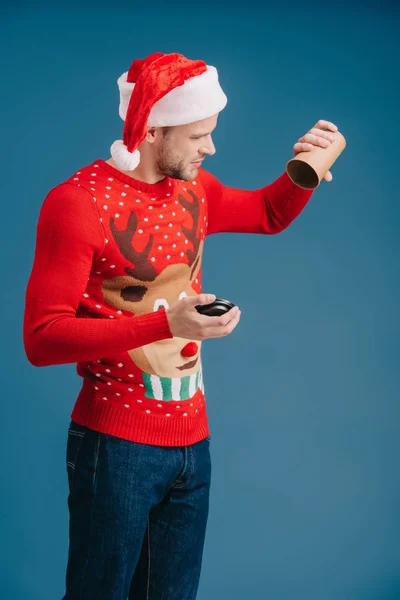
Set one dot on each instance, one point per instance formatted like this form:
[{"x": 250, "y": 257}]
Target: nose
[
  {"x": 209, "y": 148},
  {"x": 189, "y": 350}
]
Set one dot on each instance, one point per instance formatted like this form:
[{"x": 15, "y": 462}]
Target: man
[{"x": 114, "y": 286}]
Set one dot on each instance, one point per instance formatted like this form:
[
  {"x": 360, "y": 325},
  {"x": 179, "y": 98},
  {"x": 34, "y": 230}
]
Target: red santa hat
[{"x": 163, "y": 90}]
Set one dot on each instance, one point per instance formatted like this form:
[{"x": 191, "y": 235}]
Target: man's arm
[
  {"x": 267, "y": 210},
  {"x": 69, "y": 237}
]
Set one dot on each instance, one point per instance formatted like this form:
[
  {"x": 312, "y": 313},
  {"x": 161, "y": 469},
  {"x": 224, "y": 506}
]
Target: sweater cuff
[{"x": 153, "y": 327}]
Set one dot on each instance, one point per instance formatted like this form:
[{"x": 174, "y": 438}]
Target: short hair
[{"x": 167, "y": 130}]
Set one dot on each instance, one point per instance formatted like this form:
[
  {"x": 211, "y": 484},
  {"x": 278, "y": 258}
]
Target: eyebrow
[{"x": 202, "y": 134}]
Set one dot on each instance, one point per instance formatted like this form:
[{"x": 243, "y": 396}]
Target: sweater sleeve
[
  {"x": 266, "y": 210},
  {"x": 69, "y": 237}
]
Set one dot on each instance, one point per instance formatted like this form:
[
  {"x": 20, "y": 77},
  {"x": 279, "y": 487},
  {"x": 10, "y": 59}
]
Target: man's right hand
[{"x": 185, "y": 322}]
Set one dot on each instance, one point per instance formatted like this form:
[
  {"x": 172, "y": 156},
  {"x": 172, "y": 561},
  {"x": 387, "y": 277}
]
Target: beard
[{"x": 173, "y": 166}]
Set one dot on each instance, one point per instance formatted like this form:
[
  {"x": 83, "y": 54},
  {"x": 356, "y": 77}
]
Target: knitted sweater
[{"x": 112, "y": 254}]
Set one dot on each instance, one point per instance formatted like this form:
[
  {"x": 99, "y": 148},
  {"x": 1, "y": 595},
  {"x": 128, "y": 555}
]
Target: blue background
[{"x": 303, "y": 396}]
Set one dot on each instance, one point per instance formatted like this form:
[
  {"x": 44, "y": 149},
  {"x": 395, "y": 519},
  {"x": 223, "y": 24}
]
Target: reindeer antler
[
  {"x": 194, "y": 209},
  {"x": 143, "y": 270}
]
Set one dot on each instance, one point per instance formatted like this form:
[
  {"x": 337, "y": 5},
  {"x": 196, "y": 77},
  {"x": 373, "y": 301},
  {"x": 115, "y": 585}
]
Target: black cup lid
[{"x": 219, "y": 307}]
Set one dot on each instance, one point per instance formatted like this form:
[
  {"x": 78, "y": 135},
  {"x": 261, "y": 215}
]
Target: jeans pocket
[{"x": 76, "y": 434}]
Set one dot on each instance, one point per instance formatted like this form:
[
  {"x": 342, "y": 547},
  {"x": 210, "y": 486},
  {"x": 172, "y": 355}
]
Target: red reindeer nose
[{"x": 189, "y": 350}]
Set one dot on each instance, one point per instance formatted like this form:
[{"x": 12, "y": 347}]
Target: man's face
[{"x": 183, "y": 146}]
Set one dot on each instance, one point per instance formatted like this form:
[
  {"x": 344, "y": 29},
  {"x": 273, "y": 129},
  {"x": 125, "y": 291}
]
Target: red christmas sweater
[{"x": 112, "y": 254}]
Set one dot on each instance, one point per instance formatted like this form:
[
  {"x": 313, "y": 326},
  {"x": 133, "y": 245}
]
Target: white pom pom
[{"x": 125, "y": 160}]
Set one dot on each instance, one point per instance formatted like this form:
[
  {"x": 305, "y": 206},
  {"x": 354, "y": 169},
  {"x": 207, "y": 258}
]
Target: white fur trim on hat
[
  {"x": 125, "y": 91},
  {"x": 125, "y": 160},
  {"x": 198, "y": 98}
]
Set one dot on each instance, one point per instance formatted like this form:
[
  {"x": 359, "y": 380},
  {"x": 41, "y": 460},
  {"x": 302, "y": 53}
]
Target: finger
[
  {"x": 328, "y": 177},
  {"x": 227, "y": 329},
  {"x": 200, "y": 299},
  {"x": 326, "y": 125},
  {"x": 321, "y": 133},
  {"x": 218, "y": 321},
  {"x": 216, "y": 331},
  {"x": 316, "y": 140},
  {"x": 231, "y": 314},
  {"x": 301, "y": 147},
  {"x": 214, "y": 323}
]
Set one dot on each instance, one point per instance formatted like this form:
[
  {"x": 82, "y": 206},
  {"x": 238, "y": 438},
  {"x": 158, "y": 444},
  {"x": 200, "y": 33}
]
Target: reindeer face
[
  {"x": 144, "y": 291},
  {"x": 163, "y": 358}
]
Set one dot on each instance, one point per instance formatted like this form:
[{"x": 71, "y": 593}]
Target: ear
[{"x": 153, "y": 133}]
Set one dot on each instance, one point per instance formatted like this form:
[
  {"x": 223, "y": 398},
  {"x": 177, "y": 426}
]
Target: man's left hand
[{"x": 317, "y": 136}]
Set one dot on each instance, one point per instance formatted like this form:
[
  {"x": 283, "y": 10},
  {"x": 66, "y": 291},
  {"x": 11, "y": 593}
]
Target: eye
[
  {"x": 160, "y": 303},
  {"x": 182, "y": 295},
  {"x": 133, "y": 293}
]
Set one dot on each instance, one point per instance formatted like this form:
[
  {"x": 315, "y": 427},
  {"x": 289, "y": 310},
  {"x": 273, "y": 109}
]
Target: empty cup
[{"x": 307, "y": 169}]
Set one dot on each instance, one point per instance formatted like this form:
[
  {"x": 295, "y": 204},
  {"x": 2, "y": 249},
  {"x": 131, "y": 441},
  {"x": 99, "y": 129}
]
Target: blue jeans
[{"x": 138, "y": 516}]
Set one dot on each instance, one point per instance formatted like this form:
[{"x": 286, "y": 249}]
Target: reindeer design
[{"x": 171, "y": 368}]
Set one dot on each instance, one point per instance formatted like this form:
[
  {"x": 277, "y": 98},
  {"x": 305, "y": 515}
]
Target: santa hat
[{"x": 159, "y": 91}]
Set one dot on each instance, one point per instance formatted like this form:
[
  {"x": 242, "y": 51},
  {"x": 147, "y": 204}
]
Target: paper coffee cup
[{"x": 307, "y": 169}]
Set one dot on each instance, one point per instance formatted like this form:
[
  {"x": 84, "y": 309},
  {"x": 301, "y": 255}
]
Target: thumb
[{"x": 201, "y": 299}]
